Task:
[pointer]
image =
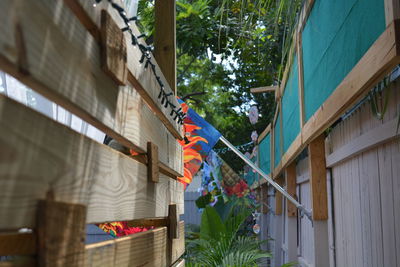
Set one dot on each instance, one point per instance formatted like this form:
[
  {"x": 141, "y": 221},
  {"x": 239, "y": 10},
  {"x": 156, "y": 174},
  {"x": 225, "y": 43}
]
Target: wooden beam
[
  {"x": 392, "y": 11},
  {"x": 177, "y": 245},
  {"x": 317, "y": 169},
  {"x": 264, "y": 133},
  {"x": 305, "y": 12},
  {"x": 165, "y": 39},
  {"x": 300, "y": 78},
  {"x": 373, "y": 138},
  {"x": 148, "y": 222},
  {"x": 61, "y": 233},
  {"x": 279, "y": 197},
  {"x": 17, "y": 244},
  {"x": 173, "y": 220},
  {"x": 113, "y": 186},
  {"x": 152, "y": 167},
  {"x": 291, "y": 188},
  {"x": 179, "y": 263},
  {"x": 264, "y": 89},
  {"x": 264, "y": 198}
]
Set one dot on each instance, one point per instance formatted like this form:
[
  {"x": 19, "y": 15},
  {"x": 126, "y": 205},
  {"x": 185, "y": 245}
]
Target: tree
[{"x": 224, "y": 48}]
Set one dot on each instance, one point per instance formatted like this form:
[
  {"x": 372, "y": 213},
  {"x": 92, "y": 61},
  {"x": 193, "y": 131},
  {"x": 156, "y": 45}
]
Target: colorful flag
[{"x": 200, "y": 138}]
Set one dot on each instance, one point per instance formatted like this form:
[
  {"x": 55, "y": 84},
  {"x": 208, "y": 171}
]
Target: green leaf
[{"x": 211, "y": 224}]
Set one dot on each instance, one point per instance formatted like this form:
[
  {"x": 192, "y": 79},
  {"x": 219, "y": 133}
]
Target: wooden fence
[
  {"x": 363, "y": 207},
  {"x": 55, "y": 181}
]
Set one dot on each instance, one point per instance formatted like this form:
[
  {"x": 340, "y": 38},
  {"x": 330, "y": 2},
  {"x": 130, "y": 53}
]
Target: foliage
[
  {"x": 224, "y": 48},
  {"x": 219, "y": 242}
]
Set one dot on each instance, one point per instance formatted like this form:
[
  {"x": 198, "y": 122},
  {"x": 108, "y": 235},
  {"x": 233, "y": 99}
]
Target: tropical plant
[{"x": 219, "y": 242}]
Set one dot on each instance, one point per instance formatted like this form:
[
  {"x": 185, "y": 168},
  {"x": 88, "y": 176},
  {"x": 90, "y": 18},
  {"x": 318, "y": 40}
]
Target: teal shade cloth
[
  {"x": 265, "y": 154},
  {"x": 337, "y": 34},
  {"x": 291, "y": 107}
]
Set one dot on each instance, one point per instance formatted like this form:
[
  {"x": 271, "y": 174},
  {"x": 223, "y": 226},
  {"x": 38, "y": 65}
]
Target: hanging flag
[{"x": 200, "y": 138}]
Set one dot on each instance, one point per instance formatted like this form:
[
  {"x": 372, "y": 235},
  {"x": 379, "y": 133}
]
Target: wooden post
[
  {"x": 264, "y": 198},
  {"x": 61, "y": 233},
  {"x": 392, "y": 11},
  {"x": 153, "y": 171},
  {"x": 291, "y": 188},
  {"x": 165, "y": 39},
  {"x": 173, "y": 220},
  {"x": 291, "y": 213},
  {"x": 319, "y": 200},
  {"x": 317, "y": 167},
  {"x": 300, "y": 79},
  {"x": 278, "y": 197}
]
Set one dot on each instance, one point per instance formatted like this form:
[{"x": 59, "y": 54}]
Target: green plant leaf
[{"x": 211, "y": 224}]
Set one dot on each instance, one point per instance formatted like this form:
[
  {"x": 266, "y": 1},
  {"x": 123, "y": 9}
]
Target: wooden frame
[
  {"x": 380, "y": 59},
  {"x": 59, "y": 180},
  {"x": 264, "y": 89}
]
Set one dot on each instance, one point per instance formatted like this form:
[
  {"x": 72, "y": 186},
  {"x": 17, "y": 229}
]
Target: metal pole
[{"x": 266, "y": 177}]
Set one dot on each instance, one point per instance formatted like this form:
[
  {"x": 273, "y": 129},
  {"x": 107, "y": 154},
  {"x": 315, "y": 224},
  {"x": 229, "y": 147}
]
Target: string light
[{"x": 177, "y": 113}]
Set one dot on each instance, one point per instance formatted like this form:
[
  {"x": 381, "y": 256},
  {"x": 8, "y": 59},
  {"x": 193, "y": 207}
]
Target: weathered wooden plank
[
  {"x": 25, "y": 261},
  {"x": 278, "y": 197},
  {"x": 299, "y": 50},
  {"x": 177, "y": 245},
  {"x": 317, "y": 168},
  {"x": 173, "y": 221},
  {"x": 17, "y": 244},
  {"x": 142, "y": 79},
  {"x": 65, "y": 68},
  {"x": 266, "y": 131},
  {"x": 165, "y": 39},
  {"x": 369, "y": 140},
  {"x": 113, "y": 49},
  {"x": 152, "y": 165},
  {"x": 392, "y": 11},
  {"x": 264, "y": 89},
  {"x": 395, "y": 157},
  {"x": 147, "y": 222},
  {"x": 291, "y": 188},
  {"x": 60, "y": 233},
  {"x": 387, "y": 205},
  {"x": 150, "y": 248},
  {"x": 38, "y": 154},
  {"x": 180, "y": 263}
]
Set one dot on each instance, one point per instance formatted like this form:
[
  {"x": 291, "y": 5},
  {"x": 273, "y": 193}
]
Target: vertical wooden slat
[
  {"x": 152, "y": 165},
  {"x": 113, "y": 49},
  {"x": 317, "y": 168},
  {"x": 319, "y": 200},
  {"x": 60, "y": 233},
  {"x": 165, "y": 39},
  {"x": 278, "y": 197},
  {"x": 173, "y": 220},
  {"x": 300, "y": 78},
  {"x": 392, "y": 10},
  {"x": 264, "y": 198},
  {"x": 291, "y": 188}
]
